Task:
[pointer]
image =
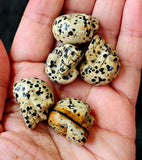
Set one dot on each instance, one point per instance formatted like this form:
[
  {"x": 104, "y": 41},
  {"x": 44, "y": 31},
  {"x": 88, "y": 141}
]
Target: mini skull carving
[
  {"x": 71, "y": 117},
  {"x": 61, "y": 64},
  {"x": 35, "y": 98},
  {"x": 101, "y": 65}
]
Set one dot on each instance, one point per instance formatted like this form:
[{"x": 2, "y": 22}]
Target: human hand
[{"x": 113, "y": 106}]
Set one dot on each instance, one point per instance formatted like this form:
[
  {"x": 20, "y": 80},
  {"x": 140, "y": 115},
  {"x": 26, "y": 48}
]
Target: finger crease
[{"x": 39, "y": 18}]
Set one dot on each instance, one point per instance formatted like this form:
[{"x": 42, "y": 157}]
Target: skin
[{"x": 113, "y": 135}]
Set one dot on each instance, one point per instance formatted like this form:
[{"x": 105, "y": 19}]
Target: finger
[
  {"x": 75, "y": 6},
  {"x": 34, "y": 39},
  {"x": 130, "y": 50},
  {"x": 109, "y": 13},
  {"x": 4, "y": 77}
]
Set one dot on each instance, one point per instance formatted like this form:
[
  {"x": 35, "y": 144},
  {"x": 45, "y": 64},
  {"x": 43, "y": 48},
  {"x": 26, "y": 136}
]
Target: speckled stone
[
  {"x": 71, "y": 117},
  {"x": 74, "y": 28},
  {"x": 61, "y": 64},
  {"x": 102, "y": 63},
  {"x": 35, "y": 98}
]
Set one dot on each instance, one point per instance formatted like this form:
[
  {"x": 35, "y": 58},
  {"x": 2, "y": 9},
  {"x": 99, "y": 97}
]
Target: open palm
[{"x": 113, "y": 135}]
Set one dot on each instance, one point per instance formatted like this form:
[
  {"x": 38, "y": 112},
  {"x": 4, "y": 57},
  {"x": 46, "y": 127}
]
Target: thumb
[{"x": 4, "y": 77}]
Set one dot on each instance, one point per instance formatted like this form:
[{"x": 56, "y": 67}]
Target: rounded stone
[
  {"x": 35, "y": 98},
  {"x": 74, "y": 28},
  {"x": 61, "y": 64},
  {"x": 71, "y": 117},
  {"x": 101, "y": 65}
]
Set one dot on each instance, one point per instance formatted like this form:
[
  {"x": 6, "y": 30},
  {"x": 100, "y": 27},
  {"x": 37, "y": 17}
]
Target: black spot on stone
[
  {"x": 23, "y": 89},
  {"x": 60, "y": 31},
  {"x": 102, "y": 70},
  {"x": 59, "y": 21},
  {"x": 94, "y": 51},
  {"x": 88, "y": 32},
  {"x": 17, "y": 88},
  {"x": 15, "y": 84},
  {"x": 69, "y": 66},
  {"x": 70, "y": 33},
  {"x": 27, "y": 117},
  {"x": 90, "y": 121},
  {"x": 70, "y": 75},
  {"x": 62, "y": 69},
  {"x": 23, "y": 110},
  {"x": 118, "y": 67},
  {"x": 24, "y": 94},
  {"x": 100, "y": 79},
  {"x": 83, "y": 73},
  {"x": 70, "y": 101},
  {"x": 61, "y": 41},
  {"x": 53, "y": 71},
  {"x": 65, "y": 18},
  {"x": 51, "y": 96},
  {"x": 89, "y": 71},
  {"x": 37, "y": 85},
  {"x": 52, "y": 64},
  {"x": 115, "y": 59},
  {"x": 16, "y": 95},
  {"x": 38, "y": 105},
  {"x": 74, "y": 111},
  {"x": 83, "y": 140},
  {"x": 34, "y": 114},
  {"x": 99, "y": 52},
  {"x": 97, "y": 71},
  {"x": 65, "y": 77},
  {"x": 78, "y": 114},
  {"x": 93, "y": 80},
  {"x": 29, "y": 125},
  {"x": 72, "y": 53},
  {"x": 28, "y": 95},
  {"x": 28, "y": 108},
  {"x": 55, "y": 81},
  {"x": 86, "y": 70},
  {"x": 27, "y": 121},
  {"x": 109, "y": 68},
  {"x": 94, "y": 26},
  {"x": 28, "y": 82},
  {"x": 105, "y": 55},
  {"x": 39, "y": 92}
]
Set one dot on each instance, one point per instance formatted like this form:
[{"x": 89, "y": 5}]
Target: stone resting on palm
[{"x": 112, "y": 137}]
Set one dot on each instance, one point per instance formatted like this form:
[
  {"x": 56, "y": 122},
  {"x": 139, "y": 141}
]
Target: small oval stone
[
  {"x": 35, "y": 98},
  {"x": 61, "y": 64},
  {"x": 74, "y": 28},
  {"x": 102, "y": 63},
  {"x": 71, "y": 117}
]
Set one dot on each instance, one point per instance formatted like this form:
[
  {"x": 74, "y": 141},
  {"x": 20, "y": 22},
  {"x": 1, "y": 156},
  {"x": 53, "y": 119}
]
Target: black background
[{"x": 10, "y": 15}]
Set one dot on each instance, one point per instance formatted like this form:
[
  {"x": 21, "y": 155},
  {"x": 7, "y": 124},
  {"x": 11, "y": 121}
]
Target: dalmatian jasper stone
[
  {"x": 71, "y": 117},
  {"x": 61, "y": 64},
  {"x": 35, "y": 98},
  {"x": 101, "y": 64},
  {"x": 74, "y": 28}
]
